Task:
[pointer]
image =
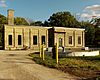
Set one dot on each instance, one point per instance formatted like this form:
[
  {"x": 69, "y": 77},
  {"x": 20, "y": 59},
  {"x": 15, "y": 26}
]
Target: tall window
[
  {"x": 43, "y": 39},
  {"x": 19, "y": 40},
  {"x": 35, "y": 40},
  {"x": 10, "y": 39},
  {"x": 70, "y": 39},
  {"x": 79, "y": 39}
]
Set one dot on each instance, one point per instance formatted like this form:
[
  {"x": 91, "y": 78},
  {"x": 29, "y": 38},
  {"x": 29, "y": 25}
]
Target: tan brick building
[{"x": 18, "y": 37}]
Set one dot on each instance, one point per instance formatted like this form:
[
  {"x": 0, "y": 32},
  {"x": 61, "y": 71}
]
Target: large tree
[
  {"x": 97, "y": 37},
  {"x": 89, "y": 33},
  {"x": 36, "y": 23},
  {"x": 95, "y": 22},
  {"x": 62, "y": 19},
  {"x": 20, "y": 21},
  {"x": 3, "y": 20}
]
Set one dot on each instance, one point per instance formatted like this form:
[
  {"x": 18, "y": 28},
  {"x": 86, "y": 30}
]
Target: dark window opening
[
  {"x": 70, "y": 39},
  {"x": 19, "y": 40},
  {"x": 43, "y": 39},
  {"x": 34, "y": 40},
  {"x": 79, "y": 39},
  {"x": 10, "y": 39}
]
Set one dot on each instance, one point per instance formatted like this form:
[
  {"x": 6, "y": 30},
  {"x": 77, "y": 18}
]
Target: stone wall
[
  {"x": 64, "y": 33},
  {"x": 27, "y": 33}
]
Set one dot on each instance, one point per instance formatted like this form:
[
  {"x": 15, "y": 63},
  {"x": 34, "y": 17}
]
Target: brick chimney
[{"x": 10, "y": 17}]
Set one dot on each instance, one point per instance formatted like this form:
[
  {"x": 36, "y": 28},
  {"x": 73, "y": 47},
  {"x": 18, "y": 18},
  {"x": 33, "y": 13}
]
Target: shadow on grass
[{"x": 91, "y": 58}]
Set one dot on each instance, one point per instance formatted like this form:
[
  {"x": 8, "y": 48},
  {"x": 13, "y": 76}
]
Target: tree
[
  {"x": 97, "y": 37},
  {"x": 3, "y": 19},
  {"x": 89, "y": 33},
  {"x": 20, "y": 21},
  {"x": 96, "y": 23},
  {"x": 46, "y": 23},
  {"x": 32, "y": 23},
  {"x": 63, "y": 19},
  {"x": 37, "y": 23}
]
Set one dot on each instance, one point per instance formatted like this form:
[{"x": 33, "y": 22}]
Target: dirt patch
[{"x": 16, "y": 65}]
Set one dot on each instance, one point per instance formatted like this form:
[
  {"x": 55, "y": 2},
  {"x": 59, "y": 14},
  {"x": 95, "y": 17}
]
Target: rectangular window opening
[
  {"x": 10, "y": 39},
  {"x": 19, "y": 40},
  {"x": 70, "y": 39},
  {"x": 79, "y": 39},
  {"x": 35, "y": 40}
]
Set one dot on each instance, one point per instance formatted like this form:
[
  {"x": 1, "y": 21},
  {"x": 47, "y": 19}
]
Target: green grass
[{"x": 79, "y": 66}]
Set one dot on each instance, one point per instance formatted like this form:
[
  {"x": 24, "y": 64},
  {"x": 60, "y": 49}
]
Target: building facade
[{"x": 19, "y": 37}]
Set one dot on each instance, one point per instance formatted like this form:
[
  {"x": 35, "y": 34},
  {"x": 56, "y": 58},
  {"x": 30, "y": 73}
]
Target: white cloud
[
  {"x": 91, "y": 12},
  {"x": 3, "y": 3},
  {"x": 93, "y": 8},
  {"x": 85, "y": 15}
]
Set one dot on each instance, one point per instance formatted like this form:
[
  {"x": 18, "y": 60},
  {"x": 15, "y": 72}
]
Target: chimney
[{"x": 10, "y": 17}]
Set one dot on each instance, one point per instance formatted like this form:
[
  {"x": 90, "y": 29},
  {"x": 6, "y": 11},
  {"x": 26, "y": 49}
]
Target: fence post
[
  {"x": 43, "y": 51},
  {"x": 57, "y": 53},
  {"x": 40, "y": 50}
]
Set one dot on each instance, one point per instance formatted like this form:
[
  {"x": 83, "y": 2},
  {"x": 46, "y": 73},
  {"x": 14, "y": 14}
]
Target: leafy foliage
[
  {"x": 3, "y": 19},
  {"x": 95, "y": 22},
  {"x": 62, "y": 19},
  {"x": 1, "y": 34},
  {"x": 20, "y": 21},
  {"x": 89, "y": 33},
  {"x": 97, "y": 37},
  {"x": 37, "y": 23}
]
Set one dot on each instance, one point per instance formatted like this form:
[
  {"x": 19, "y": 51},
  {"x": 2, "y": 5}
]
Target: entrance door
[{"x": 60, "y": 42}]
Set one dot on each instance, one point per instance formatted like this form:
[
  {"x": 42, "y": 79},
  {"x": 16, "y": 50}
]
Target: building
[{"x": 19, "y": 37}]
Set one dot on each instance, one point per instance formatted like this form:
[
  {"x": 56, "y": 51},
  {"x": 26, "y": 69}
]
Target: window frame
[
  {"x": 10, "y": 40},
  {"x": 70, "y": 40},
  {"x": 35, "y": 42},
  {"x": 79, "y": 40},
  {"x": 19, "y": 39}
]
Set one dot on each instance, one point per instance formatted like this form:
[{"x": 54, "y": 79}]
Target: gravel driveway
[{"x": 17, "y": 65}]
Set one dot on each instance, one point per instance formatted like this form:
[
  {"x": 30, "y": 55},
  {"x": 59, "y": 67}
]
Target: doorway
[{"x": 60, "y": 42}]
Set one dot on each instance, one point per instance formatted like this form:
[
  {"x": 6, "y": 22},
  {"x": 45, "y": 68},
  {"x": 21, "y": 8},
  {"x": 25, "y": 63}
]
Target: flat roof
[
  {"x": 69, "y": 28},
  {"x": 46, "y": 27}
]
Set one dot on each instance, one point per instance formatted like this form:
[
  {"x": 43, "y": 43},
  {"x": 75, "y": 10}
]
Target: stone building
[{"x": 19, "y": 37}]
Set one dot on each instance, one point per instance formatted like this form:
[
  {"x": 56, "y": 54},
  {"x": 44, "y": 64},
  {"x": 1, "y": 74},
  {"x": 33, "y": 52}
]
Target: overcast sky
[{"x": 41, "y": 10}]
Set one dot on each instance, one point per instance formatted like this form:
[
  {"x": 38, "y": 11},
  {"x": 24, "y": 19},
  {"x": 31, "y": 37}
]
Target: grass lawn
[{"x": 85, "y": 67}]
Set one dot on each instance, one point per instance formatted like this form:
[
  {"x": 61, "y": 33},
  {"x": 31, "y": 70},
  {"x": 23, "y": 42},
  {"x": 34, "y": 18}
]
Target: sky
[{"x": 41, "y": 10}]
